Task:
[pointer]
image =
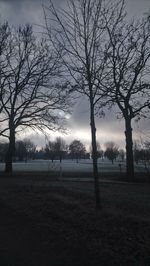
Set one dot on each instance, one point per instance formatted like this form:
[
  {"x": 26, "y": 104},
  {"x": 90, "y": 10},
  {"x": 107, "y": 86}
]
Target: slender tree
[
  {"x": 60, "y": 147},
  {"x": 50, "y": 150},
  {"x": 78, "y": 32},
  {"x": 30, "y": 95},
  {"x": 99, "y": 151}
]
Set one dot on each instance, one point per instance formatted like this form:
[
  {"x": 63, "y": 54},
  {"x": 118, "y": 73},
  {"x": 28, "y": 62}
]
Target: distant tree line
[
  {"x": 142, "y": 152},
  {"x": 59, "y": 150},
  {"x": 54, "y": 150},
  {"x": 24, "y": 150}
]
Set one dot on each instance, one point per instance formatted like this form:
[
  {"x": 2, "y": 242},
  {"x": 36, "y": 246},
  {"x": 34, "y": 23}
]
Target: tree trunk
[
  {"x": 10, "y": 152},
  {"x": 94, "y": 153},
  {"x": 129, "y": 150}
]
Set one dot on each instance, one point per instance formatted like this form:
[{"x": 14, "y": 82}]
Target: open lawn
[
  {"x": 48, "y": 223},
  {"x": 104, "y": 166}
]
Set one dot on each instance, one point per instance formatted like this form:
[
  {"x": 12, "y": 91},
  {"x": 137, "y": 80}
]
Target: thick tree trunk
[
  {"x": 129, "y": 150},
  {"x": 94, "y": 153},
  {"x": 10, "y": 152}
]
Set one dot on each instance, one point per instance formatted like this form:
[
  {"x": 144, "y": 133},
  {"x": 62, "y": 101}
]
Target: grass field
[
  {"x": 84, "y": 166},
  {"x": 45, "y": 222}
]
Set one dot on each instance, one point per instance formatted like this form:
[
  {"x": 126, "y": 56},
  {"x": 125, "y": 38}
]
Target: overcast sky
[{"x": 18, "y": 12}]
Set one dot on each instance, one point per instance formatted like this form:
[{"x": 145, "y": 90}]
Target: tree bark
[
  {"x": 129, "y": 150},
  {"x": 94, "y": 152},
  {"x": 10, "y": 152}
]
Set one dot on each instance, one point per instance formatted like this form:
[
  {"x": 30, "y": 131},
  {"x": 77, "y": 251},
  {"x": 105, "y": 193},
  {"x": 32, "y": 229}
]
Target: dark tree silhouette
[
  {"x": 30, "y": 148},
  {"x": 4, "y": 54},
  {"x": 20, "y": 150},
  {"x": 77, "y": 150},
  {"x": 79, "y": 32},
  {"x": 30, "y": 97},
  {"x": 142, "y": 152},
  {"x": 127, "y": 81},
  {"x": 60, "y": 148},
  {"x": 122, "y": 154},
  {"x": 100, "y": 152},
  {"x": 50, "y": 150},
  {"x": 3, "y": 150},
  {"x": 112, "y": 151}
]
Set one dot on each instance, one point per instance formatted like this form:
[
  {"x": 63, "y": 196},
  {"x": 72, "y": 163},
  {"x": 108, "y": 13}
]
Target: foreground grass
[{"x": 65, "y": 229}]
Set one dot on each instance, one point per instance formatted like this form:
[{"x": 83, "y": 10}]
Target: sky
[{"x": 18, "y": 12}]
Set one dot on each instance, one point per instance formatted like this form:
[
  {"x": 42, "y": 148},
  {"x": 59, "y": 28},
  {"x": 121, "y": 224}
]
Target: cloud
[
  {"x": 137, "y": 7},
  {"x": 30, "y": 11},
  {"x": 21, "y": 12}
]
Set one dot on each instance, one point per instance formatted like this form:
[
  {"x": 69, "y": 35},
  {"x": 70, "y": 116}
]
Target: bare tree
[
  {"x": 50, "y": 150},
  {"x": 77, "y": 149},
  {"x": 20, "y": 150},
  {"x": 100, "y": 152},
  {"x": 60, "y": 147},
  {"x": 31, "y": 97},
  {"x": 79, "y": 32},
  {"x": 4, "y": 53},
  {"x": 127, "y": 83},
  {"x": 122, "y": 154},
  {"x": 112, "y": 151},
  {"x": 56, "y": 149},
  {"x": 3, "y": 150},
  {"x": 30, "y": 148}
]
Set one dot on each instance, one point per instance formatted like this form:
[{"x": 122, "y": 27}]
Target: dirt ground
[{"x": 50, "y": 223}]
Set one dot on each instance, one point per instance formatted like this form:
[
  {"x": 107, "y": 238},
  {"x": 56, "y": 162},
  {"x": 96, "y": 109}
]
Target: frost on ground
[{"x": 104, "y": 166}]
